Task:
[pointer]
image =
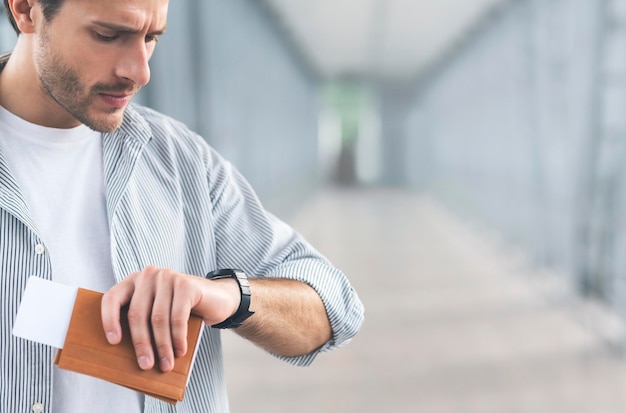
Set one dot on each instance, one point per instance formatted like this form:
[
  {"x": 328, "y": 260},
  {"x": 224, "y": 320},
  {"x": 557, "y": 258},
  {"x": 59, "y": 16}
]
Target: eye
[
  {"x": 152, "y": 38},
  {"x": 104, "y": 38}
]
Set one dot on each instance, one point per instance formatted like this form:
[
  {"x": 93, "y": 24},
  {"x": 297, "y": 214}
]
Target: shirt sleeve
[{"x": 252, "y": 239}]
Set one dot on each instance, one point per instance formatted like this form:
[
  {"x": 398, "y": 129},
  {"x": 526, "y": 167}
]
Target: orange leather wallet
[{"x": 87, "y": 351}]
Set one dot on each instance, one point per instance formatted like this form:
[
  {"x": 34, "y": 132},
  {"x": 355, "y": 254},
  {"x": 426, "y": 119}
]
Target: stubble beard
[{"x": 62, "y": 83}]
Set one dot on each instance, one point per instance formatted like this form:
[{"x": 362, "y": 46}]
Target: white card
[{"x": 45, "y": 312}]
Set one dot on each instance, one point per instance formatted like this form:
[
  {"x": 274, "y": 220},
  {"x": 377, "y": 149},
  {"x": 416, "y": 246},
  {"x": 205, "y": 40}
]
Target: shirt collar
[
  {"x": 133, "y": 127},
  {"x": 4, "y": 58}
]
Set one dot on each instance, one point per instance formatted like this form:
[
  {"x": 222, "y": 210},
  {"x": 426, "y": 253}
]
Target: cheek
[{"x": 94, "y": 67}]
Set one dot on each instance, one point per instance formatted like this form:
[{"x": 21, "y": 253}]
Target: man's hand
[
  {"x": 159, "y": 304},
  {"x": 290, "y": 318}
]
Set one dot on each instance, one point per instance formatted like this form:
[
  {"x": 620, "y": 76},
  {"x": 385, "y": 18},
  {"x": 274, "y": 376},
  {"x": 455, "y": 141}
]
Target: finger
[
  {"x": 113, "y": 300},
  {"x": 160, "y": 321},
  {"x": 181, "y": 310},
  {"x": 139, "y": 312}
]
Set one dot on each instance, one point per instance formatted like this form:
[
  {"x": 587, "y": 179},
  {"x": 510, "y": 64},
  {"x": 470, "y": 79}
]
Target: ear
[{"x": 22, "y": 11}]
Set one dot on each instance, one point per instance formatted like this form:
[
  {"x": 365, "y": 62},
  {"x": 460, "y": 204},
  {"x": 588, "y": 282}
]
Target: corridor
[{"x": 455, "y": 323}]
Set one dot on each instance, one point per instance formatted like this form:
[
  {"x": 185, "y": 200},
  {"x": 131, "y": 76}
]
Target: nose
[{"x": 133, "y": 64}]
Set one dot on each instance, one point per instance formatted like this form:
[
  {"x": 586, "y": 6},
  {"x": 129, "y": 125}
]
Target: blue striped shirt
[{"x": 173, "y": 202}]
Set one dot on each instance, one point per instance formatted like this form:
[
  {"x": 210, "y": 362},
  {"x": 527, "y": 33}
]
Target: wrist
[
  {"x": 238, "y": 279},
  {"x": 231, "y": 293}
]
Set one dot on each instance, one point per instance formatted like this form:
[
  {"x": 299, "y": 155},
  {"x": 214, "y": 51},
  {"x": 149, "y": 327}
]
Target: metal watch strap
[{"x": 243, "y": 312}]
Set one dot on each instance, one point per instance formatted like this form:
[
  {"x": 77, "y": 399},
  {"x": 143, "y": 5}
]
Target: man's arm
[{"x": 289, "y": 319}]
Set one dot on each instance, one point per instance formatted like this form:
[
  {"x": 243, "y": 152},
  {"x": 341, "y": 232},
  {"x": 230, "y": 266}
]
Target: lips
[{"x": 116, "y": 100}]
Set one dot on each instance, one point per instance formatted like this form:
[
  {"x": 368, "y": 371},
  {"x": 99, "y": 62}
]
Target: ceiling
[{"x": 388, "y": 39}]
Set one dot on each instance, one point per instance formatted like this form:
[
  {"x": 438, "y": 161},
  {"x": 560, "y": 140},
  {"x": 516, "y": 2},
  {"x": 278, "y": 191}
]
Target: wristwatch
[{"x": 243, "y": 312}]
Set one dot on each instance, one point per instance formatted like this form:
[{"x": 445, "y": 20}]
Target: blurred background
[{"x": 461, "y": 160}]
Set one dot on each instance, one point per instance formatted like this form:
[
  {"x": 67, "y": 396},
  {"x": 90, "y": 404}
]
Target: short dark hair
[{"x": 49, "y": 8}]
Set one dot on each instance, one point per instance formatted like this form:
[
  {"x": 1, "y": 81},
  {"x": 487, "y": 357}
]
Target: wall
[{"x": 522, "y": 126}]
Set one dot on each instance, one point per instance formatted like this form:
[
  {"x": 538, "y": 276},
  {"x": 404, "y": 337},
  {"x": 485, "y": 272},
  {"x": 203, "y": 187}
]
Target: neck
[{"x": 21, "y": 92}]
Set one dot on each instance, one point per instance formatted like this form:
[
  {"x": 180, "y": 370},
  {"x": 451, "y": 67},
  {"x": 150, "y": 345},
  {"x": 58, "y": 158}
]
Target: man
[{"x": 98, "y": 193}]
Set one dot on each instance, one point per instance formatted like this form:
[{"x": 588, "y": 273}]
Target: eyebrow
[{"x": 127, "y": 29}]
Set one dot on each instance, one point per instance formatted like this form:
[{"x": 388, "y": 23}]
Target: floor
[{"x": 455, "y": 323}]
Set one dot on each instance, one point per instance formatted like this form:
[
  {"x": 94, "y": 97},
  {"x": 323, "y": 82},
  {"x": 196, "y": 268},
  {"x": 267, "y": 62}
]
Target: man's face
[{"x": 92, "y": 57}]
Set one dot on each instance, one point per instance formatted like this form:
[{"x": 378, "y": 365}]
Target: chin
[
  {"x": 104, "y": 124},
  {"x": 103, "y": 127}
]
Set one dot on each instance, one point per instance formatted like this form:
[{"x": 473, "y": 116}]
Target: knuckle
[
  {"x": 164, "y": 350},
  {"x": 161, "y": 275},
  {"x": 147, "y": 274},
  {"x": 180, "y": 281},
  {"x": 142, "y": 345},
  {"x": 138, "y": 279},
  {"x": 178, "y": 321},
  {"x": 159, "y": 319},
  {"x": 107, "y": 299},
  {"x": 150, "y": 268},
  {"x": 135, "y": 316},
  {"x": 134, "y": 277}
]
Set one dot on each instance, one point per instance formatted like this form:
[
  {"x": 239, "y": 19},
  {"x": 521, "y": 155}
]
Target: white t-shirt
[{"x": 60, "y": 173}]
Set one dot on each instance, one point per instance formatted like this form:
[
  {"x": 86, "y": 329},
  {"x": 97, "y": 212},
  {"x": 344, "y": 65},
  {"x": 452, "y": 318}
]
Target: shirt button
[
  {"x": 39, "y": 249},
  {"x": 38, "y": 407}
]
